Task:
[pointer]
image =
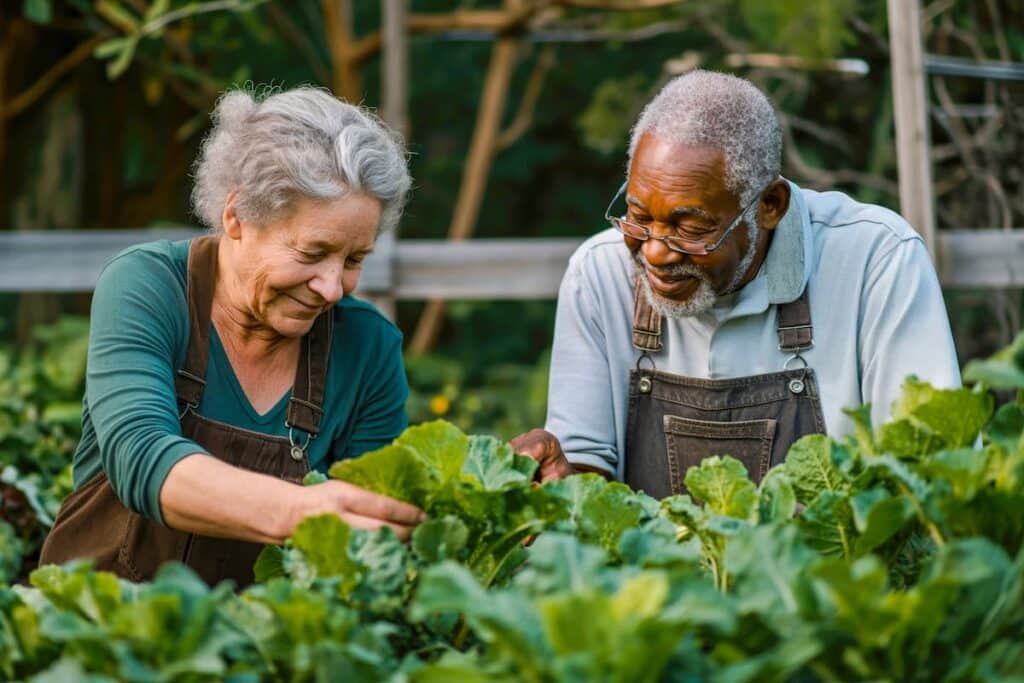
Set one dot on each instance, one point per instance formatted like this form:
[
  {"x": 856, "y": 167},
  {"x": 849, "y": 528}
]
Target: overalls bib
[
  {"x": 675, "y": 422},
  {"x": 93, "y": 522}
]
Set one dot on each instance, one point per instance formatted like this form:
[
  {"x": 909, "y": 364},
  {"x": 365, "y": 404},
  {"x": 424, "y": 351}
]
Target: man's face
[{"x": 682, "y": 188}]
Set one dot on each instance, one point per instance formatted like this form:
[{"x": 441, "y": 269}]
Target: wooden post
[
  {"x": 338, "y": 25},
  {"x": 395, "y": 110},
  {"x": 911, "y": 113},
  {"x": 476, "y": 172}
]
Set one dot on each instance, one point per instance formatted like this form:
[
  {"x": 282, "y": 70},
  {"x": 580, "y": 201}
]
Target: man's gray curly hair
[
  {"x": 724, "y": 112},
  {"x": 286, "y": 145}
]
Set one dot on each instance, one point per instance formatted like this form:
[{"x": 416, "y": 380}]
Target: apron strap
[
  {"x": 646, "y": 322},
  {"x": 305, "y": 407},
  {"x": 190, "y": 380},
  {"x": 794, "y": 325}
]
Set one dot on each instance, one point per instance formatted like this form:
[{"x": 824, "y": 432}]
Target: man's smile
[{"x": 670, "y": 286}]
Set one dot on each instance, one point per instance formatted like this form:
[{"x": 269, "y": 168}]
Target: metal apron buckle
[
  {"x": 297, "y": 451},
  {"x": 797, "y": 385},
  {"x": 645, "y": 384}
]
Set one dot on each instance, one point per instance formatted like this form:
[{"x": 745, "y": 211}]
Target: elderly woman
[{"x": 223, "y": 369}]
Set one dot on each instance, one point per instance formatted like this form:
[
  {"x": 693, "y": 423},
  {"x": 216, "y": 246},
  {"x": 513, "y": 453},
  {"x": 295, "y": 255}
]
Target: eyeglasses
[{"x": 683, "y": 245}]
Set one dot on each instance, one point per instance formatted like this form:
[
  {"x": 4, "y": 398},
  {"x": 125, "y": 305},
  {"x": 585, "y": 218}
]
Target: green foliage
[
  {"x": 848, "y": 562},
  {"x": 1004, "y": 370},
  {"x": 40, "y": 423},
  {"x": 816, "y": 30},
  {"x": 506, "y": 399},
  {"x": 39, "y": 11}
]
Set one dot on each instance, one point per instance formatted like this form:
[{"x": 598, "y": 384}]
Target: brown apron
[
  {"x": 93, "y": 522},
  {"x": 675, "y": 422}
]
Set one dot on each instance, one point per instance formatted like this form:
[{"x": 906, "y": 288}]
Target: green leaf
[
  {"x": 502, "y": 618},
  {"x": 441, "y": 446},
  {"x": 269, "y": 564},
  {"x": 954, "y": 417},
  {"x": 120, "y": 64},
  {"x": 600, "y": 511},
  {"x": 313, "y": 477},
  {"x": 1007, "y": 428},
  {"x": 560, "y": 562},
  {"x": 324, "y": 544},
  {"x": 827, "y": 524},
  {"x": 906, "y": 439},
  {"x": 654, "y": 545},
  {"x": 1004, "y": 370},
  {"x": 11, "y": 550},
  {"x": 878, "y": 516},
  {"x": 39, "y": 11},
  {"x": 863, "y": 432},
  {"x": 810, "y": 468},
  {"x": 496, "y": 465},
  {"x": 393, "y": 471},
  {"x": 440, "y": 539},
  {"x": 965, "y": 469},
  {"x": 776, "y": 499},
  {"x": 722, "y": 483},
  {"x": 78, "y": 589},
  {"x": 156, "y": 10},
  {"x": 853, "y": 595},
  {"x": 767, "y": 563}
]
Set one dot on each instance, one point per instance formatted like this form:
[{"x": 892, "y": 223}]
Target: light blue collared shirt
[{"x": 876, "y": 307}]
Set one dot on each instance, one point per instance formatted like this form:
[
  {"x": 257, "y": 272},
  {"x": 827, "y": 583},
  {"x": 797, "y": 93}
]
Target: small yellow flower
[{"x": 440, "y": 404}]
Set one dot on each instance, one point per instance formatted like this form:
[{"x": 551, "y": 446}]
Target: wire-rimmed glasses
[{"x": 675, "y": 242}]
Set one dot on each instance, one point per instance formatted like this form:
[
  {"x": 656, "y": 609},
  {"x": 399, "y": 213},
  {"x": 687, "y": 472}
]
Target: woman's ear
[
  {"x": 229, "y": 218},
  {"x": 774, "y": 204}
]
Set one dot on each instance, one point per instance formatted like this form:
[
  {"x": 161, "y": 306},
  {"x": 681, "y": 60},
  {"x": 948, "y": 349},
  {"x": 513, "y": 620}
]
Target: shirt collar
[{"x": 784, "y": 273}]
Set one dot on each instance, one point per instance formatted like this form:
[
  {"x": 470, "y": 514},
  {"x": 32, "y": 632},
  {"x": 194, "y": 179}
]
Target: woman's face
[{"x": 291, "y": 270}]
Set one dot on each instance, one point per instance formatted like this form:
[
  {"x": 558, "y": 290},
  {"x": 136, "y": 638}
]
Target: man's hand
[{"x": 543, "y": 447}]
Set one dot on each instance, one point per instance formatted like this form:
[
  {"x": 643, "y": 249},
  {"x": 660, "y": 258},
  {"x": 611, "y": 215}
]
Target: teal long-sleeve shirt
[{"x": 138, "y": 336}]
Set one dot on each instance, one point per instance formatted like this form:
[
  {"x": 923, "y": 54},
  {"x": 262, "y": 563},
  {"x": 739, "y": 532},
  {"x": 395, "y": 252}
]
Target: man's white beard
[
  {"x": 705, "y": 296},
  {"x": 699, "y": 301}
]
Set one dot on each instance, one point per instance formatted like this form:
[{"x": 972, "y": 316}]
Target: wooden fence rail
[{"x": 71, "y": 261}]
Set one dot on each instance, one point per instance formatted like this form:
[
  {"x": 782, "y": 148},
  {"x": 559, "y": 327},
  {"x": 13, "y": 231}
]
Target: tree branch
[
  {"x": 301, "y": 41},
  {"x": 474, "y": 175},
  {"x": 528, "y": 105},
  {"x": 27, "y": 98},
  {"x": 619, "y": 5}
]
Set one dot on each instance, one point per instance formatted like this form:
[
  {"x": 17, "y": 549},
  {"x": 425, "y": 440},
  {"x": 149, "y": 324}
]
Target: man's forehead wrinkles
[
  {"x": 690, "y": 212},
  {"x": 676, "y": 212}
]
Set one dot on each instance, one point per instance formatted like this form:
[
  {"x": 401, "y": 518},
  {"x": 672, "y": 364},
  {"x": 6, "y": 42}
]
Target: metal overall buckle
[
  {"x": 298, "y": 452},
  {"x": 797, "y": 385},
  {"x": 645, "y": 384}
]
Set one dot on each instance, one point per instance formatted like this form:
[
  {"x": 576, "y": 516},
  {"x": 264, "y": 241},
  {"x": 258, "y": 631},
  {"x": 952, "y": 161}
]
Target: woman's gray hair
[
  {"x": 297, "y": 143},
  {"x": 724, "y": 112}
]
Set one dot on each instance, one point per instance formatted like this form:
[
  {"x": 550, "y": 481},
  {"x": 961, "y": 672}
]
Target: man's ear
[
  {"x": 229, "y": 218},
  {"x": 774, "y": 204}
]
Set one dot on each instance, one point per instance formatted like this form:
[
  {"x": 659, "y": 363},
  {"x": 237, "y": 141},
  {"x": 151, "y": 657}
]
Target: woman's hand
[
  {"x": 359, "y": 508},
  {"x": 204, "y": 495}
]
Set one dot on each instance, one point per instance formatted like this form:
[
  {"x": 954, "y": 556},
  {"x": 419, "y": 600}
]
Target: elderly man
[{"x": 728, "y": 311}]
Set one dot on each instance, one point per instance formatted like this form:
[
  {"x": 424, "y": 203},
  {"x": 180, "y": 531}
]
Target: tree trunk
[
  {"x": 474, "y": 177},
  {"x": 338, "y": 23}
]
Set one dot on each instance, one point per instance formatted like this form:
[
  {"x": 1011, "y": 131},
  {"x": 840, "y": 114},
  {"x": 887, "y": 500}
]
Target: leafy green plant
[
  {"x": 895, "y": 554},
  {"x": 40, "y": 423}
]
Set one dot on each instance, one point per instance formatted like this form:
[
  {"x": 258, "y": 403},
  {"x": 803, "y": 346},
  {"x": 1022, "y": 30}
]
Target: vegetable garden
[{"x": 895, "y": 554}]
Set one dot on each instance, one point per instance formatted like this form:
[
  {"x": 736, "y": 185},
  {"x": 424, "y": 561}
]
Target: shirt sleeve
[
  {"x": 904, "y": 328},
  {"x": 136, "y": 326},
  {"x": 381, "y": 414},
  {"x": 580, "y": 406}
]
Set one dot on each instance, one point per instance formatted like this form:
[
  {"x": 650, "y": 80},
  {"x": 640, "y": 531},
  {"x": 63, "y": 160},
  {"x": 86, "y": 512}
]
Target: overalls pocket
[{"x": 689, "y": 441}]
